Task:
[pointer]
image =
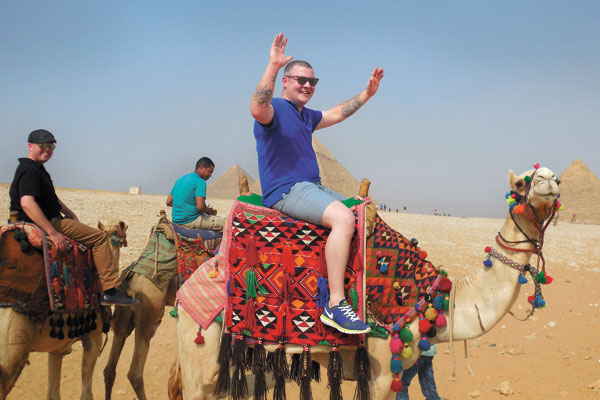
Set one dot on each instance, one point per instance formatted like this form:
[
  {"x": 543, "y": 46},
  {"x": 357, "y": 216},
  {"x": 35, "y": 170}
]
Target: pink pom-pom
[
  {"x": 440, "y": 320},
  {"x": 396, "y": 344},
  {"x": 536, "y": 165}
]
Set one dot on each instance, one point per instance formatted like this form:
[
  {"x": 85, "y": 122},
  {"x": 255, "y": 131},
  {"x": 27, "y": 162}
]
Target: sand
[{"x": 555, "y": 354}]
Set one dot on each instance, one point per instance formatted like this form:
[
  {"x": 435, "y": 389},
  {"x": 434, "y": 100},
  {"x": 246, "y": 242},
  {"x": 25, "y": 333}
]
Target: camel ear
[
  {"x": 122, "y": 226},
  {"x": 101, "y": 226},
  {"x": 516, "y": 183}
]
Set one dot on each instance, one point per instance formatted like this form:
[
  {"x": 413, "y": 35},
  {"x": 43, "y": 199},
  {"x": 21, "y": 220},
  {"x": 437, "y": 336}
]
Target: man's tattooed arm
[
  {"x": 351, "y": 106},
  {"x": 263, "y": 95}
]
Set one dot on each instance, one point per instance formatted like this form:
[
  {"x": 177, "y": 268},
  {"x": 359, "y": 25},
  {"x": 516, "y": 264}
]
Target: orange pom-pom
[{"x": 520, "y": 209}]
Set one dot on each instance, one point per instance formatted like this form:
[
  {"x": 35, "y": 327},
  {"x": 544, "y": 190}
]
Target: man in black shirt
[{"x": 33, "y": 196}]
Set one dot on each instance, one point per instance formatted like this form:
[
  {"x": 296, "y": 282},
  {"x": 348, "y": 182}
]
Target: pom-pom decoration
[
  {"x": 396, "y": 384},
  {"x": 522, "y": 280},
  {"x": 424, "y": 344},
  {"x": 396, "y": 344},
  {"x": 536, "y": 165},
  {"x": 440, "y": 320},
  {"x": 445, "y": 285},
  {"x": 405, "y": 335},
  {"x": 438, "y": 303},
  {"x": 519, "y": 209},
  {"x": 383, "y": 268},
  {"x": 432, "y": 332},
  {"x": 487, "y": 262},
  {"x": 487, "y": 249},
  {"x": 396, "y": 364},
  {"x": 422, "y": 254},
  {"x": 199, "y": 338},
  {"x": 406, "y": 352},
  {"x": 527, "y": 179},
  {"x": 430, "y": 314},
  {"x": 424, "y": 326},
  {"x": 414, "y": 241}
]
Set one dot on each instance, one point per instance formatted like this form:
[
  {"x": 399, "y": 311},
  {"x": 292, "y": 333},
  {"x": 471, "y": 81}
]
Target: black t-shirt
[{"x": 32, "y": 179}]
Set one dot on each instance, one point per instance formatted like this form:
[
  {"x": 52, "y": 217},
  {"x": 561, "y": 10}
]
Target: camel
[
  {"x": 477, "y": 302},
  {"x": 20, "y": 336},
  {"x": 145, "y": 319}
]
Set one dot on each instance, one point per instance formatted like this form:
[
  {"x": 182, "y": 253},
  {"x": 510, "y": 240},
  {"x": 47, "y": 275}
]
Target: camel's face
[
  {"x": 541, "y": 192},
  {"x": 117, "y": 231}
]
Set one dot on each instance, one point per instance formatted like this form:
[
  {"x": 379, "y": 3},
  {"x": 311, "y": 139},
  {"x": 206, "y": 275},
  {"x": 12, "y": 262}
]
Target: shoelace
[{"x": 347, "y": 310}]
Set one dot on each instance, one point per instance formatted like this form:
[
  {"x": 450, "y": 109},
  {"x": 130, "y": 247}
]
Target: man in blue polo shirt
[
  {"x": 288, "y": 169},
  {"x": 188, "y": 199}
]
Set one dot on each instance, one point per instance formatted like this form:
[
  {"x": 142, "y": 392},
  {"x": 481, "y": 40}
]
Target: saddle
[
  {"x": 39, "y": 282},
  {"x": 173, "y": 250}
]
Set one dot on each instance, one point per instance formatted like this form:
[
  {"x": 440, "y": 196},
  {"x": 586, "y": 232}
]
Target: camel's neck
[{"x": 484, "y": 297}]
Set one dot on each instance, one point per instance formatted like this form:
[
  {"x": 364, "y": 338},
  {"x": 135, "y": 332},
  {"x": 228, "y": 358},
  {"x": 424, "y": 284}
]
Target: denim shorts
[{"x": 307, "y": 201}]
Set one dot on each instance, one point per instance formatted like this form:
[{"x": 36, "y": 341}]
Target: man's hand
[
  {"x": 277, "y": 55},
  {"x": 58, "y": 240},
  {"x": 374, "y": 80}
]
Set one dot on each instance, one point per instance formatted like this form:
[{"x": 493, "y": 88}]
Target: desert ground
[{"x": 553, "y": 355}]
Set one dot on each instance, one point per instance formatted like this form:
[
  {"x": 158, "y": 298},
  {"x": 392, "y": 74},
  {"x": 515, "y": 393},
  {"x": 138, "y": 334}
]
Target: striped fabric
[{"x": 203, "y": 297}]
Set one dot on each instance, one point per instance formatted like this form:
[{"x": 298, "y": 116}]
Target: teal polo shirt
[{"x": 184, "y": 193}]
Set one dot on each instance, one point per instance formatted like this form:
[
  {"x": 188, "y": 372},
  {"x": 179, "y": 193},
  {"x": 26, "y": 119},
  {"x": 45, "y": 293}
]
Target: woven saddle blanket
[
  {"x": 274, "y": 266},
  {"x": 396, "y": 275},
  {"x": 38, "y": 282},
  {"x": 168, "y": 253}
]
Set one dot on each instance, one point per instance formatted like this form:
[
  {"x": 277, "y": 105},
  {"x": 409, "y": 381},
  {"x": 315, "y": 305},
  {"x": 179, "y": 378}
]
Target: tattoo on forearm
[
  {"x": 351, "y": 106},
  {"x": 263, "y": 95}
]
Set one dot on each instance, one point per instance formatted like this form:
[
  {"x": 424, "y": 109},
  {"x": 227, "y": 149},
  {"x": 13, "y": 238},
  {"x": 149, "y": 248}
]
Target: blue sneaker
[{"x": 343, "y": 318}]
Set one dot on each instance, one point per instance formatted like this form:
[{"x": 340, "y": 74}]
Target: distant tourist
[
  {"x": 188, "y": 199},
  {"x": 574, "y": 219},
  {"x": 288, "y": 168},
  {"x": 33, "y": 196},
  {"x": 436, "y": 213}
]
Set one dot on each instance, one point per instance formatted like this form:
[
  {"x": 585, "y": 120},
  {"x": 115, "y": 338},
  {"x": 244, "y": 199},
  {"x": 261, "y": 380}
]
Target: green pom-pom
[
  {"x": 541, "y": 278},
  {"x": 324, "y": 343},
  {"x": 173, "y": 313},
  {"x": 405, "y": 335},
  {"x": 446, "y": 304},
  {"x": 527, "y": 179},
  {"x": 443, "y": 272}
]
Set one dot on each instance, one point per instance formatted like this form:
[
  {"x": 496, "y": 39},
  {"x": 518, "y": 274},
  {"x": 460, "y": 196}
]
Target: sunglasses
[
  {"x": 303, "y": 79},
  {"x": 45, "y": 146}
]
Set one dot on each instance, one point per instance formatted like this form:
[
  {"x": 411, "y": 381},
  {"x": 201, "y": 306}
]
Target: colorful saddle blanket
[
  {"x": 69, "y": 280},
  {"x": 274, "y": 264},
  {"x": 167, "y": 253},
  {"x": 398, "y": 276}
]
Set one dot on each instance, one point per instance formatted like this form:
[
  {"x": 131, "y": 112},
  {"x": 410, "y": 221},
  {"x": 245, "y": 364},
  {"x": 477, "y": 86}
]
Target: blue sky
[{"x": 137, "y": 91}]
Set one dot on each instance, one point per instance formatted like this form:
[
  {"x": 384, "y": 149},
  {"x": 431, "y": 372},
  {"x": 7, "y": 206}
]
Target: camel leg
[
  {"x": 54, "y": 372},
  {"x": 122, "y": 326},
  {"x": 92, "y": 343},
  {"x": 147, "y": 317},
  {"x": 199, "y": 368},
  {"x": 16, "y": 336}
]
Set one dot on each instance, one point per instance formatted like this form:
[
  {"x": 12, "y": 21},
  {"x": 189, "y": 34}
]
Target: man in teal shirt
[{"x": 188, "y": 199}]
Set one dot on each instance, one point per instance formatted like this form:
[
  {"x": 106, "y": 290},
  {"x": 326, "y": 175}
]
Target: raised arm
[
  {"x": 260, "y": 106},
  {"x": 342, "y": 111}
]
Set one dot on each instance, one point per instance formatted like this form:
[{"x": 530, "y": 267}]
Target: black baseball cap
[{"x": 41, "y": 136}]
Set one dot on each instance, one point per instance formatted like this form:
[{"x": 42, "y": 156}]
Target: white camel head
[{"x": 538, "y": 188}]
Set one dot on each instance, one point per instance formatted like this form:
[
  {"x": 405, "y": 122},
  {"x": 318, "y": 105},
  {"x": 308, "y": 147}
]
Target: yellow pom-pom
[
  {"x": 406, "y": 352},
  {"x": 213, "y": 274},
  {"x": 431, "y": 314},
  {"x": 561, "y": 207},
  {"x": 510, "y": 201}
]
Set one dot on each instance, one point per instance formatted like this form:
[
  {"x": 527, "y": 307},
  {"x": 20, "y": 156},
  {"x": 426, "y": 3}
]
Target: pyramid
[
  {"x": 226, "y": 185},
  {"x": 333, "y": 174},
  {"x": 580, "y": 194}
]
